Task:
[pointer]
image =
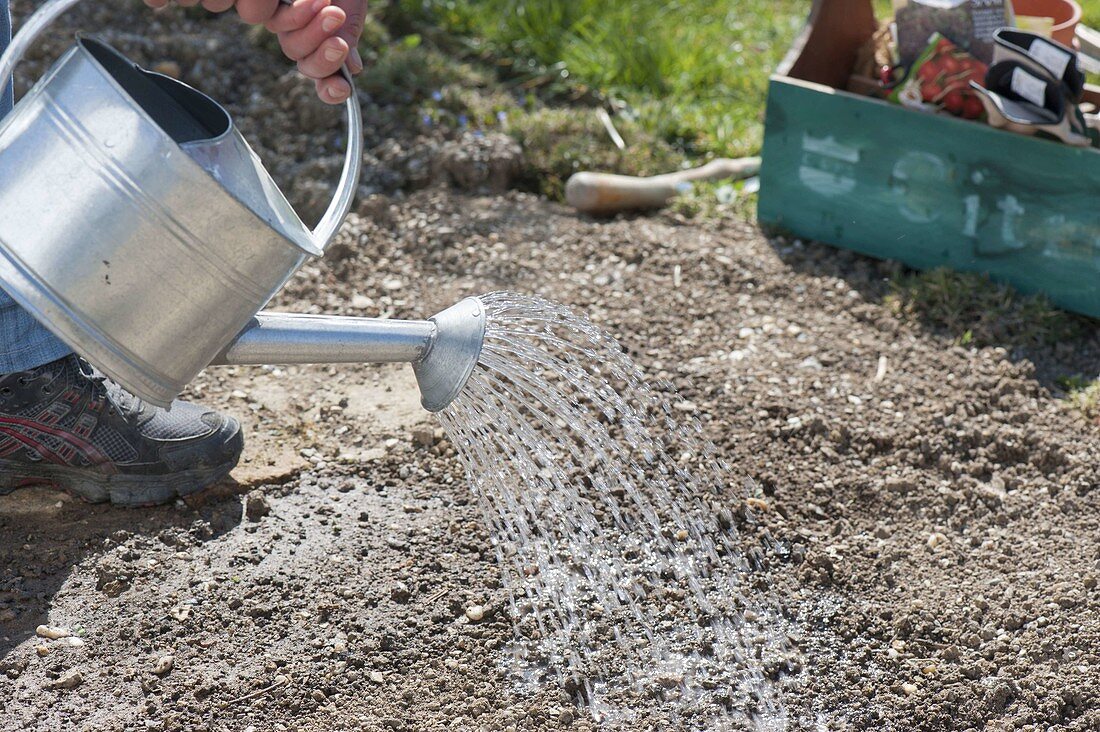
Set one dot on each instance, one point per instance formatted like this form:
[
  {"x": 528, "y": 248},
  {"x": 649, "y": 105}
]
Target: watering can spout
[{"x": 443, "y": 350}]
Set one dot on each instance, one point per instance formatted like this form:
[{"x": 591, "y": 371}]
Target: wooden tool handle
[{"x": 606, "y": 193}]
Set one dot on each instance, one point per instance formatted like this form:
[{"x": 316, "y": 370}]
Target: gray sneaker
[{"x": 65, "y": 424}]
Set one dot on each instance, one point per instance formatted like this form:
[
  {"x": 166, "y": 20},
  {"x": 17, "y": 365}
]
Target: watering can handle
[{"x": 337, "y": 211}]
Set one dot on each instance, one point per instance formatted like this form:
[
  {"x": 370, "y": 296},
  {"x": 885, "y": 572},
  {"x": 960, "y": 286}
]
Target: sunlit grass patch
[
  {"x": 712, "y": 199},
  {"x": 974, "y": 310},
  {"x": 693, "y": 73},
  {"x": 1082, "y": 394},
  {"x": 560, "y": 142}
]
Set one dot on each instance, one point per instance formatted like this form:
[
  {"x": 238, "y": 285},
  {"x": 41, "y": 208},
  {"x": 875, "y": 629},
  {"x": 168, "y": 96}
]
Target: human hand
[{"x": 320, "y": 35}]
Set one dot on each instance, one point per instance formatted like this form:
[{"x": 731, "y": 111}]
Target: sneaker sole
[{"x": 121, "y": 489}]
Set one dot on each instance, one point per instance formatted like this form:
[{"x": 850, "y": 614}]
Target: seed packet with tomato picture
[{"x": 940, "y": 79}]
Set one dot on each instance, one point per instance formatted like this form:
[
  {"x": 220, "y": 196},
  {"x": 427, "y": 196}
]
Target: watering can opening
[
  {"x": 184, "y": 113},
  {"x": 204, "y": 131}
]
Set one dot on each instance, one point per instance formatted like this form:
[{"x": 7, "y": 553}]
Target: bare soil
[{"x": 935, "y": 506}]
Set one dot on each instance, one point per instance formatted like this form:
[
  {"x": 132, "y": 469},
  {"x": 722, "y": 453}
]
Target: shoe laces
[{"x": 125, "y": 403}]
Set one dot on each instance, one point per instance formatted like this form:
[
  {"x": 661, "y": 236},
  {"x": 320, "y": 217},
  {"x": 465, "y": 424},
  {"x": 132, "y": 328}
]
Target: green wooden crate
[{"x": 926, "y": 190}]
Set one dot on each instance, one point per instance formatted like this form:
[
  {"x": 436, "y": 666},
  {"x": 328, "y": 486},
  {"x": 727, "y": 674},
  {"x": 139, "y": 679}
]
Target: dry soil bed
[{"x": 935, "y": 505}]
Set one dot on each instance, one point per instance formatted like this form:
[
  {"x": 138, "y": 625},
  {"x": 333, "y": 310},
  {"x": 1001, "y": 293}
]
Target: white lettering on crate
[
  {"x": 828, "y": 167},
  {"x": 917, "y": 178},
  {"x": 997, "y": 222}
]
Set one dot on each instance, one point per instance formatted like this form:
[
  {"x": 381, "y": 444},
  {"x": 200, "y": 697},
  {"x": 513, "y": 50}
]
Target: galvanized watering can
[{"x": 138, "y": 225}]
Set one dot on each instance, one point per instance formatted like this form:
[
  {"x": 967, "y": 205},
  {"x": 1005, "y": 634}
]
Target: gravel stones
[{"x": 256, "y": 506}]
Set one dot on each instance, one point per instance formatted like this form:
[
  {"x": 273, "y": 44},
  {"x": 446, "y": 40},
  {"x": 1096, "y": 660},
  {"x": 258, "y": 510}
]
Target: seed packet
[
  {"x": 968, "y": 23},
  {"x": 940, "y": 79}
]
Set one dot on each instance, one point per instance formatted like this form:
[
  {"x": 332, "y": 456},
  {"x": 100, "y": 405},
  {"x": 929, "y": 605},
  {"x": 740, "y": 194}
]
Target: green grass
[
  {"x": 972, "y": 310},
  {"x": 1082, "y": 395},
  {"x": 692, "y": 73},
  {"x": 708, "y": 200},
  {"x": 1091, "y": 10},
  {"x": 559, "y": 142}
]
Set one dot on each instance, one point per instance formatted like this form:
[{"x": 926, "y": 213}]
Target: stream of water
[{"x": 614, "y": 521}]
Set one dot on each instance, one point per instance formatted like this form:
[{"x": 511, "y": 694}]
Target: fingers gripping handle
[{"x": 338, "y": 209}]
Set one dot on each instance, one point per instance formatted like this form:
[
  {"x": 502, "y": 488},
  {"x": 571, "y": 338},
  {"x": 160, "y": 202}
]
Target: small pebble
[
  {"x": 53, "y": 632},
  {"x": 936, "y": 539},
  {"x": 400, "y": 592},
  {"x": 68, "y": 681},
  {"x": 475, "y": 613},
  {"x": 164, "y": 664},
  {"x": 319, "y": 696},
  {"x": 909, "y": 689},
  {"x": 377, "y": 677},
  {"x": 256, "y": 506},
  {"x": 758, "y": 504},
  {"x": 42, "y": 649},
  {"x": 423, "y": 436}
]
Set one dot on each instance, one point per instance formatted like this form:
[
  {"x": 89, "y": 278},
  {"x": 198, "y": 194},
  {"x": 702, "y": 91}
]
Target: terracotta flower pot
[{"x": 1066, "y": 14}]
